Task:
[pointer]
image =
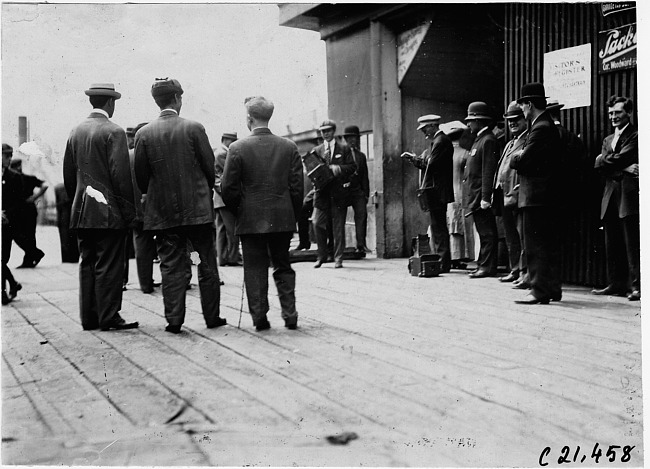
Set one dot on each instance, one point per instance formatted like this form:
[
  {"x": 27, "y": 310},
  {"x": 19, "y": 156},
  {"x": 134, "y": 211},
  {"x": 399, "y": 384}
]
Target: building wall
[{"x": 532, "y": 30}]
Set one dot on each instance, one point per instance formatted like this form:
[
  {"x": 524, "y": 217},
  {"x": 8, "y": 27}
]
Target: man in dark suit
[
  {"x": 436, "y": 162},
  {"x": 227, "y": 241},
  {"x": 330, "y": 202},
  {"x": 478, "y": 183},
  {"x": 537, "y": 165},
  {"x": 618, "y": 162},
  {"x": 174, "y": 169},
  {"x": 12, "y": 194},
  {"x": 263, "y": 184},
  {"x": 97, "y": 176},
  {"x": 359, "y": 188}
]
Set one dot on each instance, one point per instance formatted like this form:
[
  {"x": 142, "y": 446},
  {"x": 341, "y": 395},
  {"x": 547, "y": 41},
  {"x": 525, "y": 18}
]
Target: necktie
[
  {"x": 328, "y": 154},
  {"x": 617, "y": 135}
]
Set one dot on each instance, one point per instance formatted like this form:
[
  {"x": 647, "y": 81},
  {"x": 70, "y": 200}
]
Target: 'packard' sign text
[{"x": 617, "y": 49}]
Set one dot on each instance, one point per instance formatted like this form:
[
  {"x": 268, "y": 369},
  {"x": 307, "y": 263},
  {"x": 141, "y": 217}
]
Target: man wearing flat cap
[
  {"x": 227, "y": 241},
  {"x": 359, "y": 189},
  {"x": 537, "y": 164},
  {"x": 174, "y": 169},
  {"x": 97, "y": 177},
  {"x": 330, "y": 202},
  {"x": 437, "y": 166},
  {"x": 478, "y": 183}
]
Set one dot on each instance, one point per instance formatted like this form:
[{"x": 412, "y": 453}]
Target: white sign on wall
[
  {"x": 408, "y": 44},
  {"x": 567, "y": 76}
]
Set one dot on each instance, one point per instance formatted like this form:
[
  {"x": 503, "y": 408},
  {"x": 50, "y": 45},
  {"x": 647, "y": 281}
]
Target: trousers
[{"x": 486, "y": 226}]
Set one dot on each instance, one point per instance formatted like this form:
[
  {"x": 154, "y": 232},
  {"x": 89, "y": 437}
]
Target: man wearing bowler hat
[
  {"x": 359, "y": 188},
  {"x": 174, "y": 167},
  {"x": 330, "y": 202},
  {"x": 436, "y": 162},
  {"x": 537, "y": 164},
  {"x": 478, "y": 184},
  {"x": 97, "y": 177},
  {"x": 227, "y": 241}
]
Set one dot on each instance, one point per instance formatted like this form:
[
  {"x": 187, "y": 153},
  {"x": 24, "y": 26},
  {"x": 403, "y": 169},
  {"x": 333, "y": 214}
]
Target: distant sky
[{"x": 220, "y": 53}]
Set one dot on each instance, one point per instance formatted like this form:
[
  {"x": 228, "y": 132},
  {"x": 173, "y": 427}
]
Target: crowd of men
[
  {"x": 524, "y": 183},
  {"x": 162, "y": 184}
]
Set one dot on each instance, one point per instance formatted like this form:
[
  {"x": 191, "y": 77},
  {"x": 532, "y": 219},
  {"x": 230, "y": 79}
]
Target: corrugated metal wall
[{"x": 532, "y": 30}]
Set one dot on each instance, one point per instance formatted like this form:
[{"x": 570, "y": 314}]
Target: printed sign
[
  {"x": 408, "y": 44},
  {"x": 567, "y": 76},
  {"x": 617, "y": 49},
  {"x": 609, "y": 8}
]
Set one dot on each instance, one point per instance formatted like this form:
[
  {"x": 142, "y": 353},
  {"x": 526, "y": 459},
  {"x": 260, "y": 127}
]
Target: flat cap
[
  {"x": 166, "y": 86},
  {"x": 103, "y": 89},
  {"x": 423, "y": 121},
  {"x": 327, "y": 124}
]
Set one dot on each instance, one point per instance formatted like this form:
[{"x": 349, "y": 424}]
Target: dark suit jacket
[
  {"x": 174, "y": 167},
  {"x": 539, "y": 165},
  {"x": 335, "y": 192},
  {"x": 97, "y": 175},
  {"x": 440, "y": 173},
  {"x": 262, "y": 183},
  {"x": 359, "y": 180},
  {"x": 479, "y": 171},
  {"x": 621, "y": 188},
  {"x": 510, "y": 182}
]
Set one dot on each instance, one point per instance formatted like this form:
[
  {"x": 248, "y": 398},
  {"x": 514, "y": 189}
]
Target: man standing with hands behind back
[
  {"x": 263, "y": 184},
  {"x": 174, "y": 167}
]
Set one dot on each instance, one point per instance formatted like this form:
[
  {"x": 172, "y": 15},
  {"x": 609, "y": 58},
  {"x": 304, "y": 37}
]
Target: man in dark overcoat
[
  {"x": 174, "y": 169},
  {"x": 97, "y": 176},
  {"x": 359, "y": 188},
  {"x": 330, "y": 202},
  {"x": 436, "y": 165},
  {"x": 478, "y": 184},
  {"x": 618, "y": 162},
  {"x": 539, "y": 196},
  {"x": 262, "y": 184}
]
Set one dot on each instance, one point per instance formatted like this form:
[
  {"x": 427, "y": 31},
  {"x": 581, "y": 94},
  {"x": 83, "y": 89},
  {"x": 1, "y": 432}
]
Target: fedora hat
[
  {"x": 351, "y": 130},
  {"x": 327, "y": 124},
  {"x": 513, "y": 111},
  {"x": 166, "y": 86},
  {"x": 553, "y": 105},
  {"x": 532, "y": 90},
  {"x": 423, "y": 121},
  {"x": 478, "y": 110},
  {"x": 230, "y": 135},
  {"x": 103, "y": 89}
]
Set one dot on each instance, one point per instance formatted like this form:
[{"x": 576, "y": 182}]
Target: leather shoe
[
  {"x": 533, "y": 300},
  {"x": 634, "y": 296},
  {"x": 609, "y": 290},
  {"x": 291, "y": 325},
  {"x": 156, "y": 284},
  {"x": 360, "y": 252},
  {"x": 557, "y": 297},
  {"x": 521, "y": 285},
  {"x": 173, "y": 329},
  {"x": 13, "y": 291},
  {"x": 508, "y": 278},
  {"x": 220, "y": 322},
  {"x": 318, "y": 263},
  {"x": 480, "y": 274},
  {"x": 300, "y": 247},
  {"x": 263, "y": 325},
  {"x": 338, "y": 264},
  {"x": 119, "y": 325},
  {"x": 5, "y": 298}
]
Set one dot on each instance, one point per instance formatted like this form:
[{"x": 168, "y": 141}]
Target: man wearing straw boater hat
[
  {"x": 537, "y": 165},
  {"x": 478, "y": 183},
  {"x": 97, "y": 177},
  {"x": 436, "y": 166}
]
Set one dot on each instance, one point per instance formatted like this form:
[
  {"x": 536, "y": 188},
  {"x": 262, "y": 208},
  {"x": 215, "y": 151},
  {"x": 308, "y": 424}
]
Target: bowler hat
[
  {"x": 513, "y": 111},
  {"x": 7, "y": 148},
  {"x": 166, "y": 86},
  {"x": 426, "y": 120},
  {"x": 351, "y": 130},
  {"x": 230, "y": 135},
  {"x": 532, "y": 91},
  {"x": 553, "y": 105},
  {"x": 130, "y": 131},
  {"x": 327, "y": 124},
  {"x": 103, "y": 89},
  {"x": 478, "y": 110}
]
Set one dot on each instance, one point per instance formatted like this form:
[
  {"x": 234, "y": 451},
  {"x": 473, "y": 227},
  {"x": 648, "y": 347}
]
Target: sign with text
[
  {"x": 567, "y": 76},
  {"x": 408, "y": 44},
  {"x": 609, "y": 8},
  {"x": 617, "y": 48}
]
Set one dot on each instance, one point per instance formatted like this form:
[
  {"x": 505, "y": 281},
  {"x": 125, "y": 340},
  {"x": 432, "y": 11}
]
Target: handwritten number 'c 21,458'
[{"x": 568, "y": 456}]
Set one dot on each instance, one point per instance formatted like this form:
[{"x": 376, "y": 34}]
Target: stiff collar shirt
[
  {"x": 617, "y": 135},
  {"x": 102, "y": 112}
]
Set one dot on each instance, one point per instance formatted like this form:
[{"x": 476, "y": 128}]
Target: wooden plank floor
[{"x": 442, "y": 371}]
